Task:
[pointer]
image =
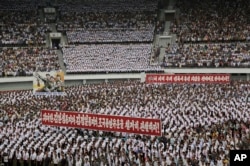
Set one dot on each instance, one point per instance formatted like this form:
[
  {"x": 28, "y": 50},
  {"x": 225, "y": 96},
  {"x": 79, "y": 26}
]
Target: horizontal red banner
[
  {"x": 188, "y": 78},
  {"x": 101, "y": 122}
]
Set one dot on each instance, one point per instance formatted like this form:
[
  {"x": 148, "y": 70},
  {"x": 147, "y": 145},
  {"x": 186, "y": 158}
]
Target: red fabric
[
  {"x": 188, "y": 78},
  {"x": 102, "y": 122}
]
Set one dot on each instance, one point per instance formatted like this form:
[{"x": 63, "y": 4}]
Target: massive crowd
[
  {"x": 21, "y": 24},
  {"x": 109, "y": 58},
  {"x": 22, "y": 61},
  {"x": 206, "y": 21},
  {"x": 109, "y": 36},
  {"x": 208, "y": 55},
  {"x": 20, "y": 4},
  {"x": 116, "y": 21},
  {"x": 200, "y": 124},
  {"x": 222, "y": 25}
]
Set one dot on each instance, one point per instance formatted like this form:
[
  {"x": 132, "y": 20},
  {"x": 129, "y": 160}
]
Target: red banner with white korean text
[
  {"x": 188, "y": 78},
  {"x": 101, "y": 122}
]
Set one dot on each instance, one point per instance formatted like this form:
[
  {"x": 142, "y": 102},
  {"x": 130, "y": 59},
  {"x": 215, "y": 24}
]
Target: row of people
[
  {"x": 20, "y": 4},
  {"x": 24, "y": 61},
  {"x": 108, "y": 36},
  {"x": 22, "y": 27},
  {"x": 206, "y": 21},
  {"x": 200, "y": 124},
  {"x": 208, "y": 55},
  {"x": 108, "y": 58},
  {"x": 108, "y": 5},
  {"x": 108, "y": 22}
]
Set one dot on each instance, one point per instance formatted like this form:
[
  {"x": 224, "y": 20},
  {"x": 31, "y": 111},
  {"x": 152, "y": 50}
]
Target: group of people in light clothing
[{"x": 200, "y": 125}]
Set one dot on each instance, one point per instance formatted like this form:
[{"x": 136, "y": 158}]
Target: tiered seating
[
  {"x": 116, "y": 21},
  {"x": 208, "y": 55},
  {"x": 212, "y": 21},
  {"x": 109, "y": 27},
  {"x": 108, "y": 58},
  {"x": 24, "y": 61},
  {"x": 218, "y": 30},
  {"x": 21, "y": 25}
]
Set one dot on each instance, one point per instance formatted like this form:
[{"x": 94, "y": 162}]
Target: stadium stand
[
  {"x": 21, "y": 24},
  {"x": 23, "y": 40},
  {"x": 82, "y": 23},
  {"x": 23, "y": 61},
  {"x": 122, "y": 25},
  {"x": 212, "y": 21},
  {"x": 109, "y": 58},
  {"x": 210, "y": 34},
  {"x": 208, "y": 55},
  {"x": 116, "y": 21},
  {"x": 201, "y": 123}
]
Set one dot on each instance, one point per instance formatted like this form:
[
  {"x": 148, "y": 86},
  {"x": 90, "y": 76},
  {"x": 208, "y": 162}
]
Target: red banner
[
  {"x": 188, "y": 78},
  {"x": 101, "y": 122}
]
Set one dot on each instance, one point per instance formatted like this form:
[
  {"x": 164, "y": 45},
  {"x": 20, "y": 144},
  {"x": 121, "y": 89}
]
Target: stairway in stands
[
  {"x": 167, "y": 19},
  {"x": 60, "y": 57},
  {"x": 52, "y": 27}
]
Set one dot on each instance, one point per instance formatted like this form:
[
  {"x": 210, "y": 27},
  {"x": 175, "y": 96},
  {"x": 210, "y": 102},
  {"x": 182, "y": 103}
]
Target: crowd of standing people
[
  {"x": 201, "y": 123},
  {"x": 109, "y": 58}
]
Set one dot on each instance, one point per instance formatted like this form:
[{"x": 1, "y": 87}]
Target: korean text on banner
[{"x": 102, "y": 122}]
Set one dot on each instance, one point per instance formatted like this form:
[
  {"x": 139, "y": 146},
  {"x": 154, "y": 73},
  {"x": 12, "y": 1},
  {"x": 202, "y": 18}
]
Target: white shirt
[
  {"x": 55, "y": 159},
  {"x": 33, "y": 156},
  {"x": 26, "y": 156},
  {"x": 79, "y": 162}
]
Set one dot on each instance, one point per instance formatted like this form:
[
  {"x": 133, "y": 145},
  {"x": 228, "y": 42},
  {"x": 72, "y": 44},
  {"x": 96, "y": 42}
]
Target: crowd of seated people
[
  {"x": 109, "y": 22},
  {"x": 200, "y": 125},
  {"x": 116, "y": 21},
  {"x": 110, "y": 5},
  {"x": 108, "y": 36},
  {"x": 206, "y": 21},
  {"x": 21, "y": 25},
  {"x": 21, "y": 4},
  {"x": 108, "y": 58},
  {"x": 208, "y": 55},
  {"x": 22, "y": 61}
]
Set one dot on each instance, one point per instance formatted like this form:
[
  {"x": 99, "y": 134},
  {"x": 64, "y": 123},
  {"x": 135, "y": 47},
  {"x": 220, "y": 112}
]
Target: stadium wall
[{"x": 24, "y": 83}]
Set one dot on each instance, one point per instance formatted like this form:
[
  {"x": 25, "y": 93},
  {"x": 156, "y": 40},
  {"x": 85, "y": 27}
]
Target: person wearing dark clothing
[
  {"x": 47, "y": 160},
  {"x": 5, "y": 159},
  {"x": 64, "y": 161}
]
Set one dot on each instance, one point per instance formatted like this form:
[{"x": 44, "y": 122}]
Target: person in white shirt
[
  {"x": 86, "y": 162},
  {"x": 70, "y": 159},
  {"x": 78, "y": 161},
  {"x": 11, "y": 157},
  {"x": 33, "y": 157},
  {"x": 39, "y": 158},
  {"x": 26, "y": 157},
  {"x": 219, "y": 161},
  {"x": 18, "y": 157},
  {"x": 55, "y": 158}
]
